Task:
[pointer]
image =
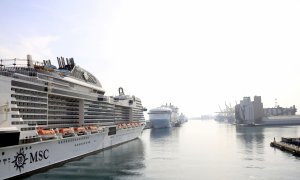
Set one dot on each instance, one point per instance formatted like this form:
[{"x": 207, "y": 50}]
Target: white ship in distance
[
  {"x": 50, "y": 115},
  {"x": 165, "y": 116},
  {"x": 182, "y": 118}
]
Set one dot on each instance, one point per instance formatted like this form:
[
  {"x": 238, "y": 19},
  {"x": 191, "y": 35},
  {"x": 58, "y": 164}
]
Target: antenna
[
  {"x": 276, "y": 104},
  {"x": 220, "y": 108},
  {"x": 121, "y": 91},
  {"x": 15, "y": 62}
]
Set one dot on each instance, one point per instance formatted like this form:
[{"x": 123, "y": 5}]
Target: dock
[{"x": 291, "y": 145}]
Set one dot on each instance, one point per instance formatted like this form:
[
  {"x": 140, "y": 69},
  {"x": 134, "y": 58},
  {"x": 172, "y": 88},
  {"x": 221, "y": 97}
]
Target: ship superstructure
[
  {"x": 182, "y": 118},
  {"x": 42, "y": 105}
]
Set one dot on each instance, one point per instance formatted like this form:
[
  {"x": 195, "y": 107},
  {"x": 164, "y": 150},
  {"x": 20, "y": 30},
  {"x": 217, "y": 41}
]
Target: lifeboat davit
[
  {"x": 133, "y": 125},
  {"x": 80, "y": 131},
  {"x": 66, "y": 132},
  {"x": 124, "y": 126},
  {"x": 92, "y": 129},
  {"x": 119, "y": 126}
]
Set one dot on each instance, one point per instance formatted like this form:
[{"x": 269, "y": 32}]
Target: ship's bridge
[{"x": 160, "y": 110}]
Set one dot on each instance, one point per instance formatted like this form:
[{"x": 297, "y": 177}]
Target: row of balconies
[
  {"x": 69, "y": 113},
  {"x": 30, "y": 110},
  {"x": 29, "y": 92},
  {"x": 29, "y": 104},
  {"x": 28, "y": 98},
  {"x": 62, "y": 104}
]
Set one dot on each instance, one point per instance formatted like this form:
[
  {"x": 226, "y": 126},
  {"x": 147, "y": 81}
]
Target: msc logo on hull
[{"x": 21, "y": 158}]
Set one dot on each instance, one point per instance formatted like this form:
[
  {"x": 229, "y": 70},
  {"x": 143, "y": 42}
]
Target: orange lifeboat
[
  {"x": 119, "y": 126},
  {"x": 133, "y": 124},
  {"x": 80, "y": 131},
  {"x": 124, "y": 126},
  {"x": 92, "y": 129},
  {"x": 66, "y": 132},
  {"x": 46, "y": 133}
]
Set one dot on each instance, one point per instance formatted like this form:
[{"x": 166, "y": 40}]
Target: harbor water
[{"x": 197, "y": 150}]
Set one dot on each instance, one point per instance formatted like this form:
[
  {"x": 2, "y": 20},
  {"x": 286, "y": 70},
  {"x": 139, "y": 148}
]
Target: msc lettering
[{"x": 39, "y": 155}]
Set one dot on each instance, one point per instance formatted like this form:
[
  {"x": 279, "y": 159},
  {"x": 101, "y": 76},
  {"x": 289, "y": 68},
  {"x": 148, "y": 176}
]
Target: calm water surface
[{"x": 197, "y": 150}]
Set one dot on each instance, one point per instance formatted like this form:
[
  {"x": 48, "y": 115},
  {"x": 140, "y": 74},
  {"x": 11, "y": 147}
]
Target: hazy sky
[{"x": 194, "y": 54}]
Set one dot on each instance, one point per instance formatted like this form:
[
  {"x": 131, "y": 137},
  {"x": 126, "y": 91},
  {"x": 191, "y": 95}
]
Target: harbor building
[{"x": 253, "y": 113}]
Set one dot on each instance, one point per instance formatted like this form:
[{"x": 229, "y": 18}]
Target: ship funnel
[
  {"x": 67, "y": 61},
  {"x": 59, "y": 61},
  {"x": 72, "y": 63},
  {"x": 63, "y": 62}
]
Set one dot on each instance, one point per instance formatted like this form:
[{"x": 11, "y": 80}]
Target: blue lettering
[
  {"x": 46, "y": 157},
  {"x": 40, "y": 155},
  {"x": 33, "y": 158}
]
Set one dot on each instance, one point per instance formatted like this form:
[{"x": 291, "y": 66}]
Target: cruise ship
[
  {"x": 50, "y": 115},
  {"x": 165, "y": 116}
]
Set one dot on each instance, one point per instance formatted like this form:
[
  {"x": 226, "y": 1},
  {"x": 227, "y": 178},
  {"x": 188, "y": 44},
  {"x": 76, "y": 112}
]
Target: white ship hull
[{"x": 24, "y": 159}]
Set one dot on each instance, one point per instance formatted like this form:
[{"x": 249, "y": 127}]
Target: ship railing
[
  {"x": 6, "y": 73},
  {"x": 13, "y": 62},
  {"x": 22, "y": 74}
]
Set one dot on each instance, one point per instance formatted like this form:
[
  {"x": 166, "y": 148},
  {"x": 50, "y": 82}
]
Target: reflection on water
[
  {"x": 250, "y": 135},
  {"x": 164, "y": 141},
  {"x": 160, "y": 133},
  {"x": 252, "y": 138},
  {"x": 196, "y": 150},
  {"x": 126, "y": 160},
  {"x": 251, "y": 147}
]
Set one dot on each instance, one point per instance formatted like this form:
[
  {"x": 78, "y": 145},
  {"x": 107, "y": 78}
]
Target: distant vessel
[
  {"x": 253, "y": 113},
  {"x": 182, "y": 118},
  {"x": 164, "y": 116},
  {"x": 49, "y": 115}
]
